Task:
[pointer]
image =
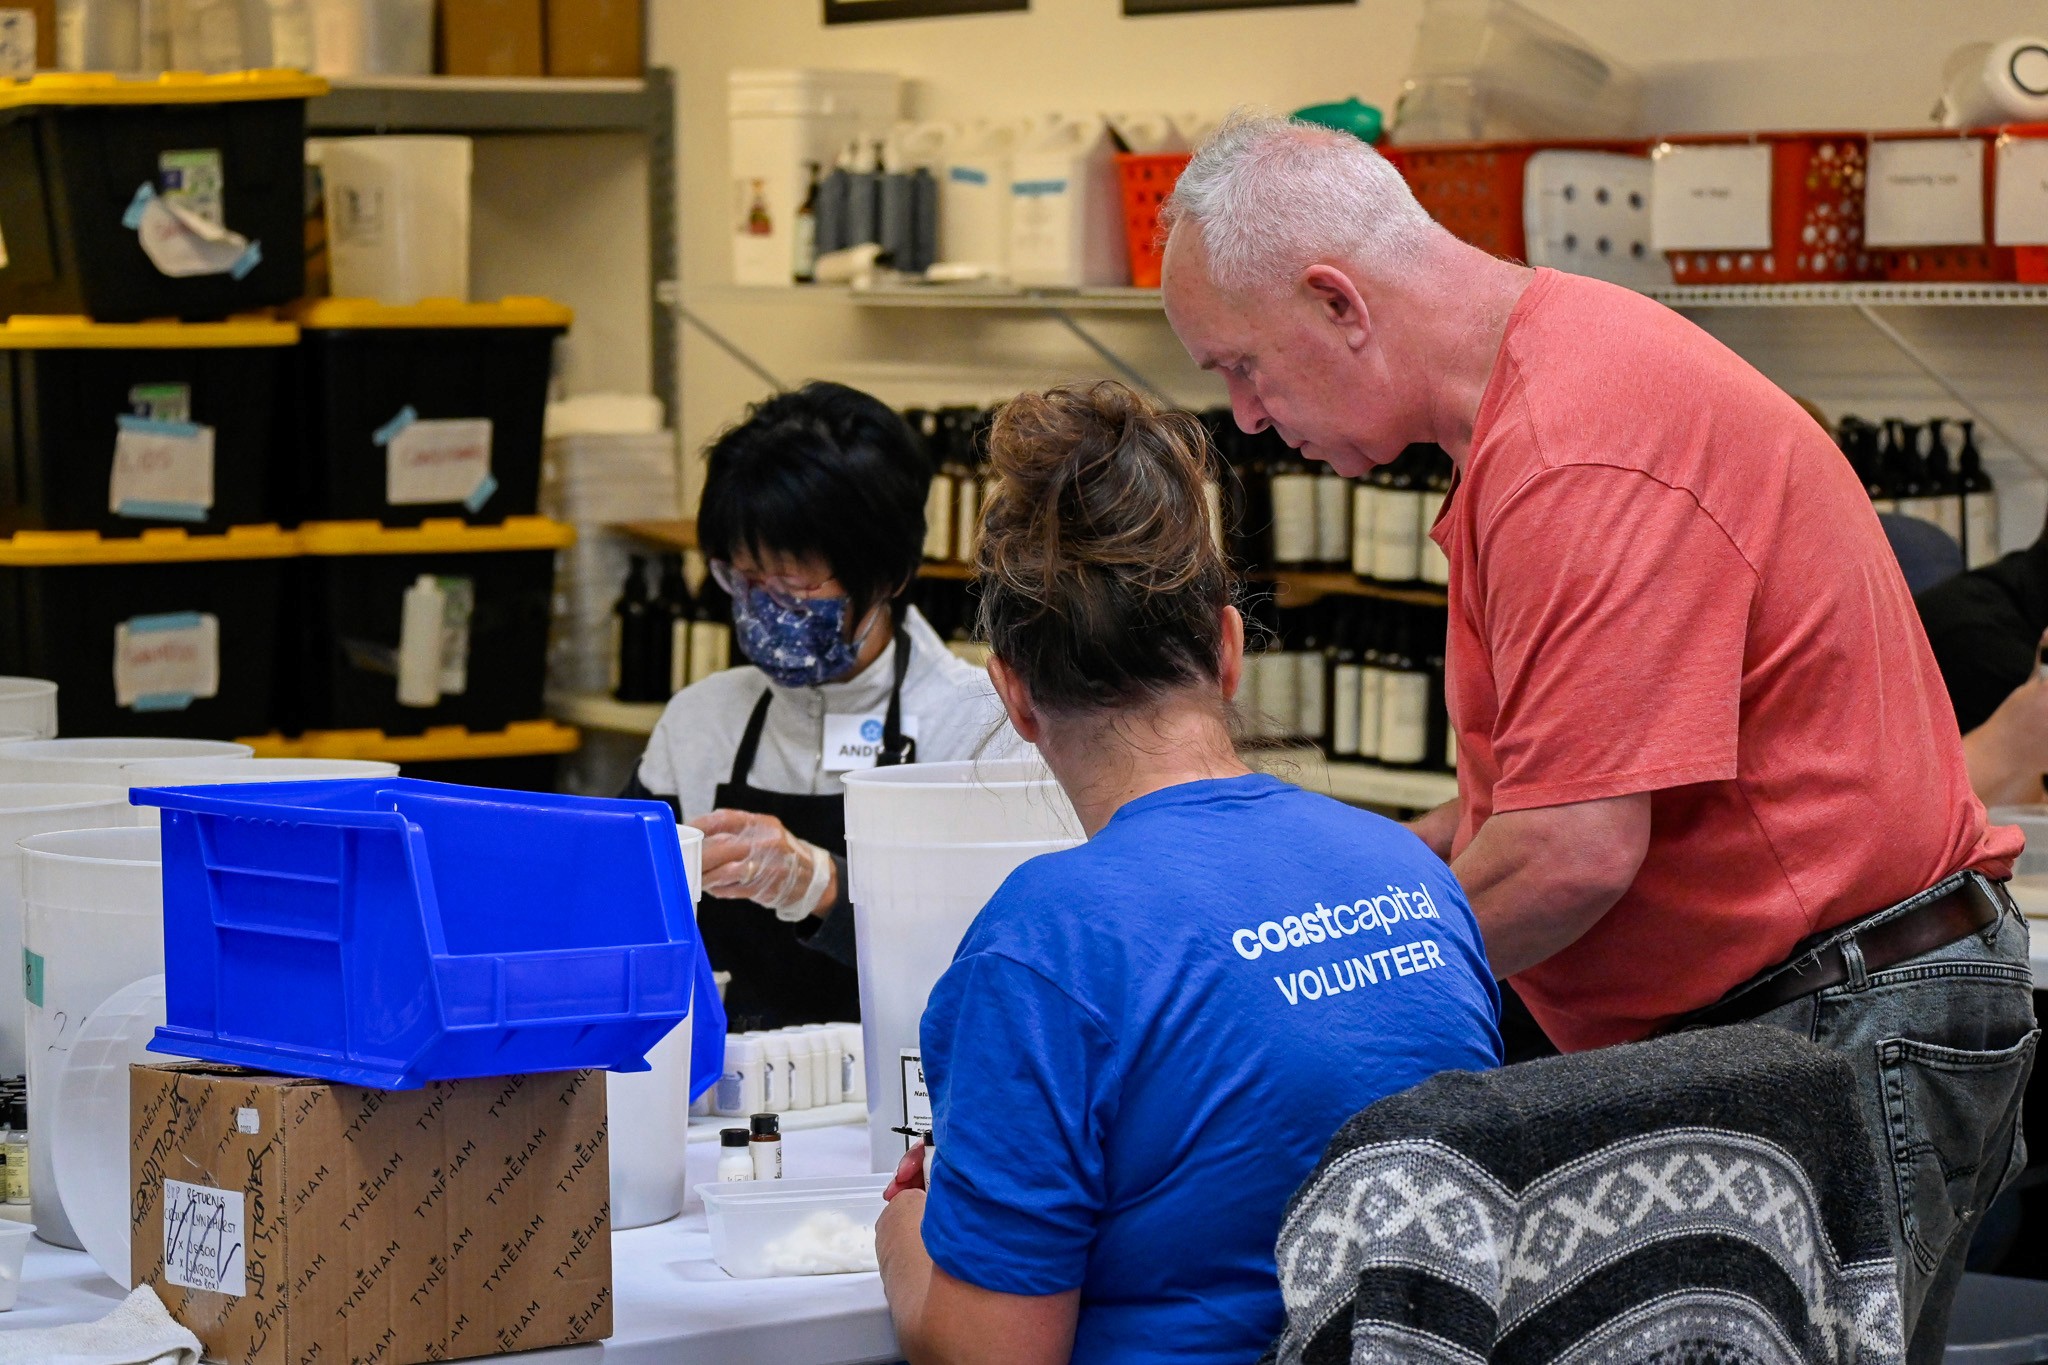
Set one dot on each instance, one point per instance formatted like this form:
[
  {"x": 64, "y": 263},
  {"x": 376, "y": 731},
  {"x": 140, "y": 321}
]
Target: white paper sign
[
  {"x": 437, "y": 460},
  {"x": 165, "y": 663},
  {"x": 855, "y": 741},
  {"x": 917, "y": 1096},
  {"x": 162, "y": 470},
  {"x": 1925, "y": 192},
  {"x": 203, "y": 1238},
  {"x": 17, "y": 47},
  {"x": 2021, "y": 214},
  {"x": 1711, "y": 198}
]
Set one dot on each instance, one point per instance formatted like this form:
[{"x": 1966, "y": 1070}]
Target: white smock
[{"x": 948, "y": 703}]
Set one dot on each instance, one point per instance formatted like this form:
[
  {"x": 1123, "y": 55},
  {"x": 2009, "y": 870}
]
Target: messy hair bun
[{"x": 1101, "y": 582}]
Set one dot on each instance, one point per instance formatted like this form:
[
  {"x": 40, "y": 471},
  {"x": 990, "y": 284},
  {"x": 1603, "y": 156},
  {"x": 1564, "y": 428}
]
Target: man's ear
[
  {"x": 1016, "y": 699},
  {"x": 1336, "y": 297}
]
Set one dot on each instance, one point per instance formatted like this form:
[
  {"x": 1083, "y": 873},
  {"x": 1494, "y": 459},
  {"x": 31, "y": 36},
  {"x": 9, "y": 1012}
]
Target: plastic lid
[
  {"x": 173, "y": 87},
  {"x": 70, "y": 332},
  {"x": 90, "y": 1129},
  {"x": 527, "y": 739},
  {"x": 766, "y": 1125},
  {"x": 175, "y": 545},
  {"x": 438, "y": 536},
  {"x": 734, "y": 1137},
  {"x": 514, "y": 310}
]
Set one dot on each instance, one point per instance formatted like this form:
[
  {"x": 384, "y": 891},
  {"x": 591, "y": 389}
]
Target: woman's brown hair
[{"x": 1101, "y": 582}]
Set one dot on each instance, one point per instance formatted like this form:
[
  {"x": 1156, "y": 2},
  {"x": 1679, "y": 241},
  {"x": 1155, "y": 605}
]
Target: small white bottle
[
  {"x": 419, "y": 643},
  {"x": 765, "y": 1147},
  {"x": 824, "y": 1066},
  {"x": 853, "y": 1071},
  {"x": 832, "y": 1062},
  {"x": 802, "y": 1072},
  {"x": 774, "y": 1071},
  {"x": 740, "y": 1091},
  {"x": 735, "y": 1154}
]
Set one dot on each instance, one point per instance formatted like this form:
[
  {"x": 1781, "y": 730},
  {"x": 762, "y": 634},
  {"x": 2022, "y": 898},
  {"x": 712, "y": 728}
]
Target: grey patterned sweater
[{"x": 1705, "y": 1199}]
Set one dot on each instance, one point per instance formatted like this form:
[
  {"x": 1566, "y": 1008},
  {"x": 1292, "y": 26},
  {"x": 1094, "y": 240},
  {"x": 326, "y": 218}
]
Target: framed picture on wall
[
  {"x": 868, "y": 11},
  {"x": 1133, "y": 7}
]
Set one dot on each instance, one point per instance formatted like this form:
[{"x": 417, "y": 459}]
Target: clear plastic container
[
  {"x": 29, "y": 705},
  {"x": 1488, "y": 69},
  {"x": 13, "y": 1248},
  {"x": 767, "y": 1228},
  {"x": 373, "y": 37},
  {"x": 90, "y": 1127},
  {"x": 397, "y": 211}
]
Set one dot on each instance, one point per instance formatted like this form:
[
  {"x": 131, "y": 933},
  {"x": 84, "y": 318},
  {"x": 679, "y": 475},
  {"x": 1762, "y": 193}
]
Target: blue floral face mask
[{"x": 796, "y": 641}]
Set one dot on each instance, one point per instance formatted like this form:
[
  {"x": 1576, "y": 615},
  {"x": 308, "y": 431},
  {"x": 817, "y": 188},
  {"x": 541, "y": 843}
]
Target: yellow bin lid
[
  {"x": 172, "y": 545},
  {"x": 515, "y": 310},
  {"x": 173, "y": 87},
  {"x": 448, "y": 743},
  {"x": 69, "y": 332},
  {"x": 439, "y": 536}
]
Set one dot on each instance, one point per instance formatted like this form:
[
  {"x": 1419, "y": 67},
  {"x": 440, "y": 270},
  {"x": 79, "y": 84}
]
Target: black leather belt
[{"x": 1972, "y": 906}]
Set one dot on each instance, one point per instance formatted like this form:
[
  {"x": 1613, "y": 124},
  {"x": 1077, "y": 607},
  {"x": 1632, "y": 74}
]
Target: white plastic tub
[
  {"x": 397, "y": 216},
  {"x": 762, "y": 1228},
  {"x": 782, "y": 121},
  {"x": 92, "y": 922},
  {"x": 100, "y": 761},
  {"x": 912, "y": 904},
  {"x": 970, "y": 801},
  {"x": 649, "y": 1111},
  {"x": 29, "y": 706},
  {"x": 27, "y": 809},
  {"x": 225, "y": 772}
]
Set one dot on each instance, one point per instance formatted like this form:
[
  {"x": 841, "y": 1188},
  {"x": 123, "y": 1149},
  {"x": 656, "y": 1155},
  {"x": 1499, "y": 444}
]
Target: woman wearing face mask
[{"x": 812, "y": 519}]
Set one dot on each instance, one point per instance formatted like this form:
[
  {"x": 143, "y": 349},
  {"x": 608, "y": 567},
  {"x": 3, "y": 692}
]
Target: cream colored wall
[{"x": 1729, "y": 65}]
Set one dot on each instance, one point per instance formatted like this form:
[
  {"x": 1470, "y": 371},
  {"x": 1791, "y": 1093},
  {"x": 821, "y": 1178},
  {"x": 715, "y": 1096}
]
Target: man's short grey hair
[{"x": 1272, "y": 196}]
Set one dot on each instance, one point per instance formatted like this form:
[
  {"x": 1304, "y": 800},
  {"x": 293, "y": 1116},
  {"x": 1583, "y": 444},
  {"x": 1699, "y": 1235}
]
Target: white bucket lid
[
  {"x": 28, "y": 808},
  {"x": 217, "y": 771}
]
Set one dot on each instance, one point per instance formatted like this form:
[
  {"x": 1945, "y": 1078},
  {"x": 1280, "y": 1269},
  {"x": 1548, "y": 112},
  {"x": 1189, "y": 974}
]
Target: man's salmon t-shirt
[{"x": 1665, "y": 578}]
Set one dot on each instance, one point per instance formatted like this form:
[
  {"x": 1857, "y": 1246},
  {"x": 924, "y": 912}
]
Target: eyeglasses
[{"x": 781, "y": 590}]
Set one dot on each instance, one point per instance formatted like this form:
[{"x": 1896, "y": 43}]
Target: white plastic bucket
[
  {"x": 912, "y": 904},
  {"x": 27, "y": 809},
  {"x": 100, "y": 761},
  {"x": 974, "y": 196},
  {"x": 29, "y": 706},
  {"x": 92, "y": 921},
  {"x": 222, "y": 772},
  {"x": 1066, "y": 209},
  {"x": 89, "y": 1158},
  {"x": 650, "y": 1110},
  {"x": 969, "y": 801},
  {"x": 397, "y": 216}
]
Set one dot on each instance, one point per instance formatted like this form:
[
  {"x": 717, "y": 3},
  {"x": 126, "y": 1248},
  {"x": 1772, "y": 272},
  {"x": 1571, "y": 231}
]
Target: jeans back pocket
[{"x": 1952, "y": 1126}]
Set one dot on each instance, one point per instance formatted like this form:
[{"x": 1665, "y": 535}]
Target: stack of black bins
[
  {"x": 419, "y": 489},
  {"x": 142, "y": 564}
]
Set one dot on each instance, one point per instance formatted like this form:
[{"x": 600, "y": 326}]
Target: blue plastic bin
[{"x": 389, "y": 932}]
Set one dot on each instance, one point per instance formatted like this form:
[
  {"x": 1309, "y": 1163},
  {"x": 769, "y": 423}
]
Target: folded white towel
[{"x": 139, "y": 1332}]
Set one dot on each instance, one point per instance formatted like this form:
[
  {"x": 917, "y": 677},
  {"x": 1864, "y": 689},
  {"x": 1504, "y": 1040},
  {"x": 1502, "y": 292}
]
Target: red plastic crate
[
  {"x": 1475, "y": 188},
  {"x": 2030, "y": 263},
  {"x": 1978, "y": 263},
  {"x": 1147, "y": 179},
  {"x": 1817, "y": 182}
]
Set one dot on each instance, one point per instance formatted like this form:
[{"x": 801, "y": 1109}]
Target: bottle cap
[
  {"x": 733, "y": 1137},
  {"x": 767, "y": 1125}
]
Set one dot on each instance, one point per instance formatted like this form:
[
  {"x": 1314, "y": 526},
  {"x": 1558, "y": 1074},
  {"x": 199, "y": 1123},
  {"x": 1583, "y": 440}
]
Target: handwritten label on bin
[
  {"x": 165, "y": 663},
  {"x": 203, "y": 1238},
  {"x": 162, "y": 470},
  {"x": 431, "y": 460}
]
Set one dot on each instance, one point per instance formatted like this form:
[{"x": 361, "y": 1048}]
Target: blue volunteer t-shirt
[{"x": 1144, "y": 1044}]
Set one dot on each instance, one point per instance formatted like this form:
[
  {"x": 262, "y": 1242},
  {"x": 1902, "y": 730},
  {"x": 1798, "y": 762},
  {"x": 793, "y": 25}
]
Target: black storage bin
[
  {"x": 167, "y": 634},
  {"x": 89, "y": 163},
  {"x": 118, "y": 427},
  {"x": 425, "y": 412},
  {"x": 524, "y": 757},
  {"x": 356, "y": 579}
]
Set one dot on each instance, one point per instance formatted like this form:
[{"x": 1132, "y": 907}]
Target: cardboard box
[
  {"x": 286, "y": 1220},
  {"x": 594, "y": 38},
  {"x": 491, "y": 38}
]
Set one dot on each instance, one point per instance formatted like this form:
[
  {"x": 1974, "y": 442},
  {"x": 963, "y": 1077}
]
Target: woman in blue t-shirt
[{"x": 1144, "y": 1043}]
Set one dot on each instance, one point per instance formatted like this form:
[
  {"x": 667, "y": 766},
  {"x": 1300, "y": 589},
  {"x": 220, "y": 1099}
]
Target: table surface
[{"x": 672, "y": 1302}]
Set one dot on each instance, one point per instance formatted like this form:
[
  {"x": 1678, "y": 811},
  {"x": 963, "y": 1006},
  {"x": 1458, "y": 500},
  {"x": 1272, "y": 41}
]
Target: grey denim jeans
[{"x": 1942, "y": 1045}]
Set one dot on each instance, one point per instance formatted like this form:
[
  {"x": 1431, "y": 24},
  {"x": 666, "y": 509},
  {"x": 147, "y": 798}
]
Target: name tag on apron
[{"x": 853, "y": 741}]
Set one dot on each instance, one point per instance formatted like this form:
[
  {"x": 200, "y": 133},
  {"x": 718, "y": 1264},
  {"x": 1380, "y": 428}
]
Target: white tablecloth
[{"x": 672, "y": 1302}]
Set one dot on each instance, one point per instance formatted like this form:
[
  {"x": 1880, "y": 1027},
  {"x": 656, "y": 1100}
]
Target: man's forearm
[
  {"x": 1538, "y": 879},
  {"x": 906, "y": 1270},
  {"x": 1439, "y": 827},
  {"x": 1999, "y": 773}
]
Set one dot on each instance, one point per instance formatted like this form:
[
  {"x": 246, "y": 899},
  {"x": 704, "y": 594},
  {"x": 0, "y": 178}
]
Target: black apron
[{"x": 776, "y": 981}]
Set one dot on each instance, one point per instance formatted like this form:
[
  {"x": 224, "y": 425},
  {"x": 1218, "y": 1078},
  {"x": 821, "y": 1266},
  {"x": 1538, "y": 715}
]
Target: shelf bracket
[
  {"x": 1948, "y": 386},
  {"x": 1109, "y": 357},
  {"x": 729, "y": 346}
]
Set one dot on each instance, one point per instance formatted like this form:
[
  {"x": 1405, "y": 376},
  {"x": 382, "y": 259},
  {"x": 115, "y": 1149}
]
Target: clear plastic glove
[{"x": 755, "y": 858}]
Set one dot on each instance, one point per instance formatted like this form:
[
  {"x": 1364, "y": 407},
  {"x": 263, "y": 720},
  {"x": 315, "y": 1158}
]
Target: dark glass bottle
[
  {"x": 674, "y": 604},
  {"x": 633, "y": 622},
  {"x": 1980, "y": 502}
]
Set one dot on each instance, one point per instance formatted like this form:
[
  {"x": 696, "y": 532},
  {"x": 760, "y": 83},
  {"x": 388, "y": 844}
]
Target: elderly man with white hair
[{"x": 1707, "y": 768}]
